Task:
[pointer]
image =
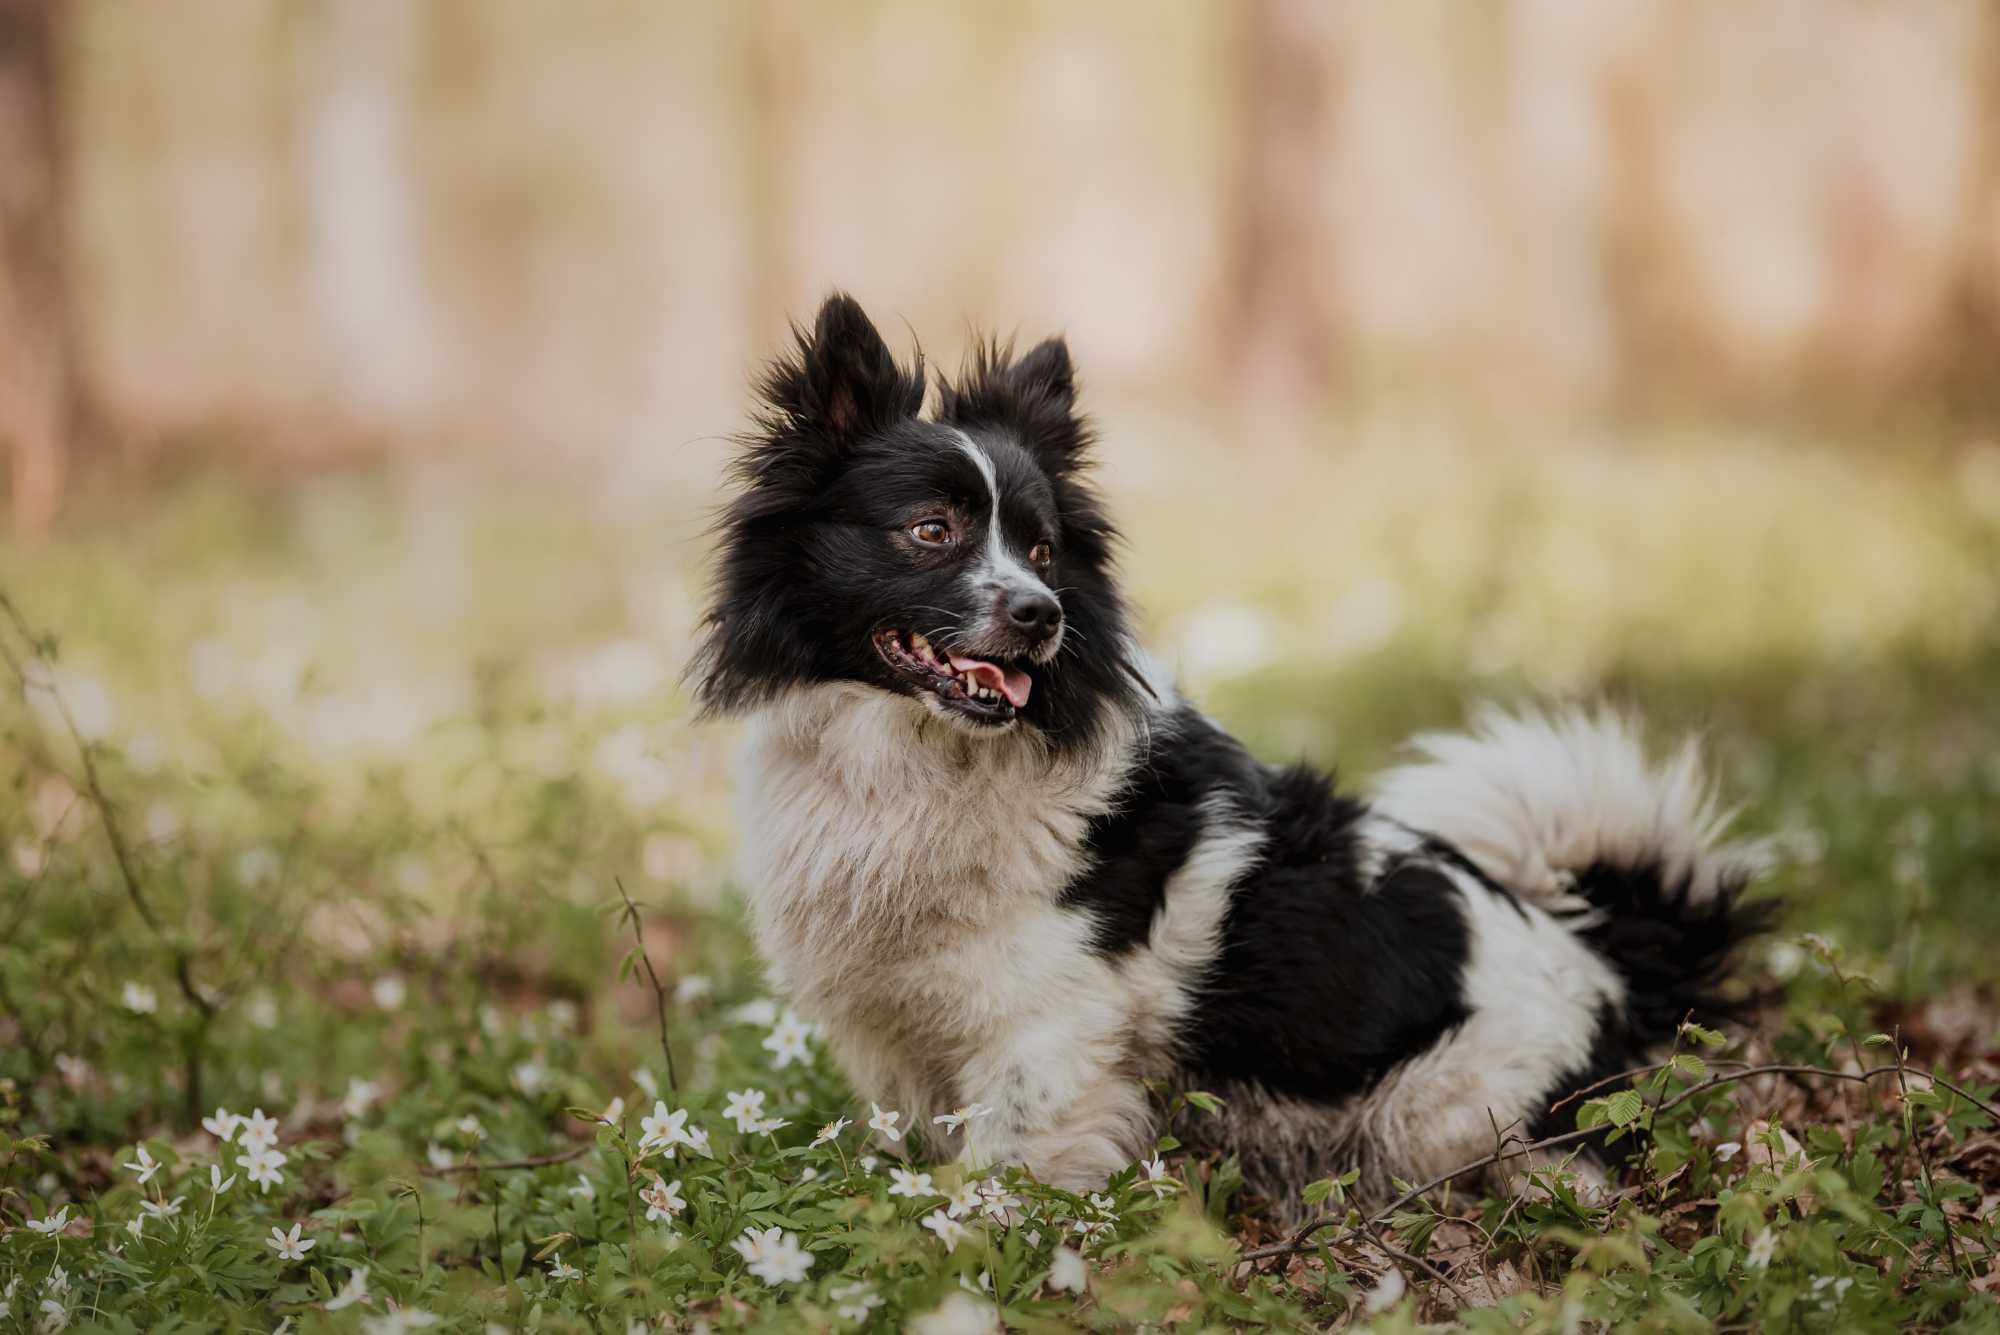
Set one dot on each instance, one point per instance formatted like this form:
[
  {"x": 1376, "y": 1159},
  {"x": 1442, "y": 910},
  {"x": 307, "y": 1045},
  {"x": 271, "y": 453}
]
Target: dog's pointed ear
[
  {"x": 842, "y": 381},
  {"x": 1046, "y": 371},
  {"x": 1034, "y": 395}
]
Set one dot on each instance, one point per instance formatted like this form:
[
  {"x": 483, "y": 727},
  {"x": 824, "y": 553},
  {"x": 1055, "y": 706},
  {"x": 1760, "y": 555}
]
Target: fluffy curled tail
[{"x": 1566, "y": 810}]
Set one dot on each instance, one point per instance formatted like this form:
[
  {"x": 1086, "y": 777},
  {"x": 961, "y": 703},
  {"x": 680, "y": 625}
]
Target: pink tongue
[{"x": 1010, "y": 682}]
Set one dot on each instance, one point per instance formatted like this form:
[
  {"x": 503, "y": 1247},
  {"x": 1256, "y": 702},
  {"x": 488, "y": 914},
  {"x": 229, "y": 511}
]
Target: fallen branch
[{"x": 1300, "y": 1240}]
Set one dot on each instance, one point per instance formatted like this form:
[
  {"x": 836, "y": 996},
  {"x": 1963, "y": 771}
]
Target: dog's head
[{"x": 959, "y": 560}]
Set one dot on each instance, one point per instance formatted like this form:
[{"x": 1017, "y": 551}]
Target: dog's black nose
[{"x": 1035, "y": 615}]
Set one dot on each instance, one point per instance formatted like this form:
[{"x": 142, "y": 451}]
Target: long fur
[{"x": 1039, "y": 906}]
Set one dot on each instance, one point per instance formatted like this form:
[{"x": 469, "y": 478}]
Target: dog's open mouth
[{"x": 978, "y": 688}]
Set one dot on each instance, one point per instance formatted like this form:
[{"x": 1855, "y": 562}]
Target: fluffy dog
[{"x": 1003, "y": 862}]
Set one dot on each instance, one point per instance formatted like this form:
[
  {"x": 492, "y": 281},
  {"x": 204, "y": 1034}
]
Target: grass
[{"x": 415, "y": 819}]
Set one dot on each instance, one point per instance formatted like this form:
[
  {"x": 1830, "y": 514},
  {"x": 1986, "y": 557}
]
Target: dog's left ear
[
  {"x": 1046, "y": 371},
  {"x": 1034, "y": 394}
]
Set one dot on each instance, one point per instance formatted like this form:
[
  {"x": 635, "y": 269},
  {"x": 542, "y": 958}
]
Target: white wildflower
[
  {"x": 257, "y": 1132},
  {"x": 773, "y": 1255},
  {"x": 560, "y": 1269},
  {"x": 140, "y": 999},
  {"x": 222, "y": 1126},
  {"x": 145, "y": 1165},
  {"x": 261, "y": 1166},
  {"x": 1067, "y": 1273},
  {"x": 787, "y": 1042},
  {"x": 950, "y": 1232},
  {"x": 663, "y": 1199},
  {"x": 355, "y": 1290},
  {"x": 756, "y": 1243},
  {"x": 831, "y": 1131},
  {"x": 469, "y": 1127},
  {"x": 438, "y": 1155},
  {"x": 1761, "y": 1248},
  {"x": 996, "y": 1200},
  {"x": 762, "y": 1012},
  {"x": 905, "y": 1183},
  {"x": 530, "y": 1076},
  {"x": 662, "y": 1130},
  {"x": 692, "y": 988},
  {"x": 957, "y": 1118},
  {"x": 52, "y": 1225},
  {"x": 963, "y": 1201},
  {"x": 958, "y": 1314},
  {"x": 389, "y": 991},
  {"x": 745, "y": 1108},
  {"x": 885, "y": 1123},
  {"x": 217, "y": 1183},
  {"x": 1728, "y": 1150},
  {"x": 1155, "y": 1177},
  {"x": 855, "y": 1300},
  {"x": 614, "y": 1113},
  {"x": 289, "y": 1246},
  {"x": 163, "y": 1210},
  {"x": 361, "y": 1096},
  {"x": 583, "y": 1191},
  {"x": 398, "y": 1321}
]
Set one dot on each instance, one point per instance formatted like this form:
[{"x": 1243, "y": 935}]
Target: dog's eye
[
  {"x": 931, "y": 532},
  {"x": 1041, "y": 553}
]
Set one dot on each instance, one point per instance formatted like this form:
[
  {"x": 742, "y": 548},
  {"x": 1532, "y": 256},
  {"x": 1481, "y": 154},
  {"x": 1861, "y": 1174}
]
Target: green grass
[{"x": 384, "y": 755}]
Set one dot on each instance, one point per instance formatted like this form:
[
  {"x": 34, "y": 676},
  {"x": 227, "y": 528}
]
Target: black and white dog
[{"x": 1002, "y": 862}]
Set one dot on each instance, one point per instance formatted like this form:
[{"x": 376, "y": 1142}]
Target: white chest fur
[{"x": 902, "y": 879}]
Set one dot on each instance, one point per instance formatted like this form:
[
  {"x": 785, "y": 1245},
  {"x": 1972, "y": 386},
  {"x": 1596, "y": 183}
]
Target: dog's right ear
[{"x": 841, "y": 382}]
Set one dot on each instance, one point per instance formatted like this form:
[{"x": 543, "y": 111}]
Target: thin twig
[
  {"x": 504, "y": 1165},
  {"x": 1405, "y": 1259},
  {"x": 659, "y": 992},
  {"x": 1923, "y": 1154},
  {"x": 1297, "y": 1242}
]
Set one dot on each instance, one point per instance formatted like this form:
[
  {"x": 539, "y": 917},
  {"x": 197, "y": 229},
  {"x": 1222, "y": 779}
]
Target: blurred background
[
  {"x": 367, "y": 367},
  {"x": 297, "y": 231}
]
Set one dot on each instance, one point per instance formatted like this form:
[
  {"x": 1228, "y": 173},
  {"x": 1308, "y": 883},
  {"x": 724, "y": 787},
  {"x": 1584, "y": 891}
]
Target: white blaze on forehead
[{"x": 1000, "y": 565}]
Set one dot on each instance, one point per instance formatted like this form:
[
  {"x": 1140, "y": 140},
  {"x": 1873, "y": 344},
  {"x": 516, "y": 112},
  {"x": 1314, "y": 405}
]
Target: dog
[{"x": 1008, "y": 868}]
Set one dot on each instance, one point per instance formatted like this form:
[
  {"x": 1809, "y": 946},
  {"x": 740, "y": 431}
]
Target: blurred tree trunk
[
  {"x": 365, "y": 215},
  {"x": 1285, "y": 337},
  {"x": 34, "y": 330}
]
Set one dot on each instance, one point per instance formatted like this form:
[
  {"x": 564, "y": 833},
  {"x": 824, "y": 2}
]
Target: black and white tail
[{"x": 1566, "y": 810}]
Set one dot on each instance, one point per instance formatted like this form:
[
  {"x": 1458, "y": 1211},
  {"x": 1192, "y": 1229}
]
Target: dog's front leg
[{"x": 1064, "y": 1103}]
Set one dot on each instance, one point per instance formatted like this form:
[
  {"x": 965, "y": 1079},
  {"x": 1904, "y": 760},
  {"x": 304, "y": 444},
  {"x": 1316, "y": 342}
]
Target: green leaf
[
  {"x": 1203, "y": 1100},
  {"x": 1708, "y": 1038},
  {"x": 1689, "y": 1065},
  {"x": 1624, "y": 1108}
]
